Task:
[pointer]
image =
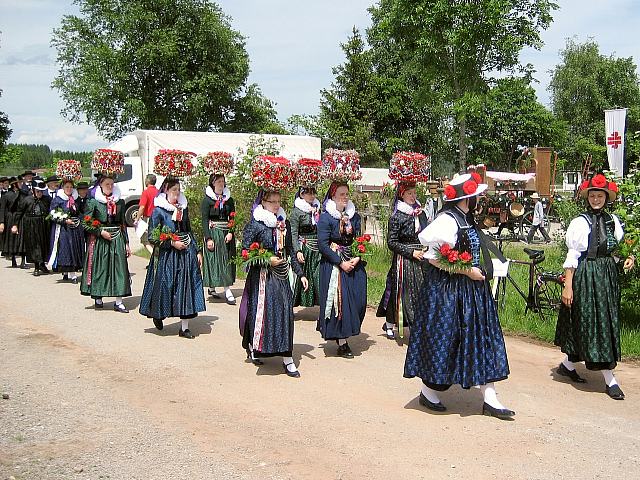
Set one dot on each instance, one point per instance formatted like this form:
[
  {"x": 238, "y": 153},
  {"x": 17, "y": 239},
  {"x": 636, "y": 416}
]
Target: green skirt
[
  {"x": 589, "y": 331},
  {"x": 219, "y": 269},
  {"x": 311, "y": 269},
  {"x": 106, "y": 272}
]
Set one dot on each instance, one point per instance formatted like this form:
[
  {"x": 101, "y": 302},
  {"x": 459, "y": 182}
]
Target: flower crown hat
[
  {"x": 69, "y": 170},
  {"x": 409, "y": 167},
  {"x": 309, "y": 172},
  {"x": 341, "y": 165},
  {"x": 599, "y": 182},
  {"x": 173, "y": 163},
  {"x": 464, "y": 186},
  {"x": 218, "y": 163},
  {"x": 108, "y": 162},
  {"x": 273, "y": 173}
]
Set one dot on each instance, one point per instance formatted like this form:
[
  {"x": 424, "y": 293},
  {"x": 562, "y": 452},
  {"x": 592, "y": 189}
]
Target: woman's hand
[
  {"x": 629, "y": 263},
  {"x": 354, "y": 261},
  {"x": 305, "y": 283},
  {"x": 200, "y": 260},
  {"x": 128, "y": 250},
  {"x": 210, "y": 245},
  {"x": 106, "y": 235},
  {"x": 14, "y": 229},
  {"x": 1, "y": 227},
  {"x": 418, "y": 255},
  {"x": 346, "y": 266},
  {"x": 475, "y": 274},
  {"x": 300, "y": 257},
  {"x": 275, "y": 261},
  {"x": 228, "y": 237},
  {"x": 178, "y": 245},
  {"x": 567, "y": 294}
]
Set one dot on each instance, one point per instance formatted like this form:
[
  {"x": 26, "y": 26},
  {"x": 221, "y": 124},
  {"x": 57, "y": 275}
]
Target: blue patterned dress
[
  {"x": 67, "y": 241},
  {"x": 456, "y": 337},
  {"x": 173, "y": 286}
]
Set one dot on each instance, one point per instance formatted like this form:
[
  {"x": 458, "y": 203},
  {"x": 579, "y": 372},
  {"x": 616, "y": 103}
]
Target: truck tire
[{"x": 130, "y": 214}]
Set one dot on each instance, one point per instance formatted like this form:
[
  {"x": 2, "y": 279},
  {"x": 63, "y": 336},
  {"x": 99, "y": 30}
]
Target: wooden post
[{"x": 542, "y": 157}]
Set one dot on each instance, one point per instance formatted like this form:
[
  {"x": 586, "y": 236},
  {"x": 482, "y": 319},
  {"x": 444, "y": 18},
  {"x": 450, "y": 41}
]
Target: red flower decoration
[
  {"x": 613, "y": 187},
  {"x": 245, "y": 254},
  {"x": 87, "y": 218},
  {"x": 476, "y": 177},
  {"x": 465, "y": 257},
  {"x": 449, "y": 192},
  {"x": 360, "y": 239},
  {"x": 453, "y": 256},
  {"x": 95, "y": 223},
  {"x": 469, "y": 187},
  {"x": 584, "y": 185},
  {"x": 445, "y": 249},
  {"x": 254, "y": 246},
  {"x": 232, "y": 214},
  {"x": 367, "y": 237},
  {"x": 599, "y": 181},
  {"x": 362, "y": 248}
]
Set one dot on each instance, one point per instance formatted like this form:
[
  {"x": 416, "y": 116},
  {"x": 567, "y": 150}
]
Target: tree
[
  {"x": 5, "y": 131},
  {"x": 506, "y": 117},
  {"x": 166, "y": 64},
  {"x": 583, "y": 85},
  {"x": 458, "y": 44}
]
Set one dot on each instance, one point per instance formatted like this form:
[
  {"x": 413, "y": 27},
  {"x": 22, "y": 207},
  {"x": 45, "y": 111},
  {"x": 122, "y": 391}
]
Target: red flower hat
[
  {"x": 218, "y": 163},
  {"x": 599, "y": 182},
  {"x": 108, "y": 161},
  {"x": 273, "y": 173},
  {"x": 341, "y": 165},
  {"x": 410, "y": 167},
  {"x": 174, "y": 163},
  {"x": 463, "y": 186},
  {"x": 309, "y": 172}
]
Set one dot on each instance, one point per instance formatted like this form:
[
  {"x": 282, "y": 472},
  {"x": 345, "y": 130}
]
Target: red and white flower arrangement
[
  {"x": 341, "y": 165},
  {"x": 218, "y": 163},
  {"x": 107, "y": 161},
  {"x": 410, "y": 167},
  {"x": 69, "y": 169},
  {"x": 309, "y": 172},
  {"x": 452, "y": 260},
  {"x": 273, "y": 173},
  {"x": 360, "y": 246},
  {"x": 175, "y": 163}
]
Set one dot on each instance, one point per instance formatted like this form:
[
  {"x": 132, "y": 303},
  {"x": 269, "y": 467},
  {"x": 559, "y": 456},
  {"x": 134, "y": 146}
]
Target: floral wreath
[
  {"x": 69, "y": 169},
  {"x": 341, "y": 165},
  {"x": 410, "y": 167},
  {"x": 273, "y": 173},
  {"x": 309, "y": 172},
  {"x": 218, "y": 163},
  {"x": 175, "y": 163},
  {"x": 107, "y": 161}
]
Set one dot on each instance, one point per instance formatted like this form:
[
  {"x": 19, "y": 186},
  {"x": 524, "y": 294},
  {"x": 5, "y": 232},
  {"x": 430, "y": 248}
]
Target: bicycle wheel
[{"x": 548, "y": 296}]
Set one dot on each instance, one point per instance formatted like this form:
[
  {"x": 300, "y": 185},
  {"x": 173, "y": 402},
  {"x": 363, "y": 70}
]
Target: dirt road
[{"x": 98, "y": 394}]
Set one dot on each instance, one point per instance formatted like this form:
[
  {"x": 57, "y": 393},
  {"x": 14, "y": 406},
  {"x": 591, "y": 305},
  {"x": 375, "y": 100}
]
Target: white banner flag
[{"x": 614, "y": 126}]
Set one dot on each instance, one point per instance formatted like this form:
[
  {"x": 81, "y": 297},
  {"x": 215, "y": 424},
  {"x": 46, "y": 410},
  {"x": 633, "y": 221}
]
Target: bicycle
[{"x": 544, "y": 296}]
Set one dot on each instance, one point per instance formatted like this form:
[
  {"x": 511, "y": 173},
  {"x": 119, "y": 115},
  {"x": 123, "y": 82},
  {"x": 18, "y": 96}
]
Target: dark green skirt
[
  {"x": 589, "y": 331},
  {"x": 311, "y": 269},
  {"x": 219, "y": 270},
  {"x": 106, "y": 272}
]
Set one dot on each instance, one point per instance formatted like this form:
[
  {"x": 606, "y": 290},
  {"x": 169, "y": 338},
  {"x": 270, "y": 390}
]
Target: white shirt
[
  {"x": 443, "y": 229},
  {"x": 538, "y": 213},
  {"x": 577, "y": 239}
]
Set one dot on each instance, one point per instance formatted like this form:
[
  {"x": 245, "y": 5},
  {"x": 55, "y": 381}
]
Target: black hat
[
  {"x": 98, "y": 175},
  {"x": 53, "y": 178},
  {"x": 39, "y": 185},
  {"x": 82, "y": 185},
  {"x": 20, "y": 177},
  {"x": 12, "y": 180},
  {"x": 28, "y": 172},
  {"x": 3, "y": 179}
]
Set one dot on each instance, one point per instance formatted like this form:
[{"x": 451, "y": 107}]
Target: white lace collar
[
  {"x": 404, "y": 207},
  {"x": 306, "y": 207},
  {"x": 265, "y": 216},
  {"x": 162, "y": 202},
  {"x": 99, "y": 196},
  {"x": 226, "y": 193},
  {"x": 331, "y": 209},
  {"x": 60, "y": 193}
]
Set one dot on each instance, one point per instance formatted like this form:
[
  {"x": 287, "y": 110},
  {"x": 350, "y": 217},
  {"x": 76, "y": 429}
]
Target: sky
[{"x": 293, "y": 45}]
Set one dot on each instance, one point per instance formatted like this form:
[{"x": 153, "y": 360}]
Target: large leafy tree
[
  {"x": 459, "y": 44},
  {"x": 166, "y": 64},
  {"x": 583, "y": 85}
]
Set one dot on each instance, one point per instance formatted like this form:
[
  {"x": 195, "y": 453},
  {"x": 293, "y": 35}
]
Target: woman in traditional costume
[
  {"x": 588, "y": 328},
  {"x": 106, "y": 271},
  {"x": 218, "y": 213},
  {"x": 456, "y": 337},
  {"x": 11, "y": 223},
  {"x": 35, "y": 209},
  {"x": 343, "y": 280},
  {"x": 266, "y": 310},
  {"x": 173, "y": 286}
]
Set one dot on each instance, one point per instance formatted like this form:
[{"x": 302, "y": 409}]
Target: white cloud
[{"x": 60, "y": 135}]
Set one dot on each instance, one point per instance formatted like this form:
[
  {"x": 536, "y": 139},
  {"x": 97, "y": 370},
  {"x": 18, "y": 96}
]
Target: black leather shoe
[
  {"x": 65, "y": 277},
  {"x": 36, "y": 273},
  {"x": 213, "y": 294},
  {"x": 44, "y": 270},
  {"x": 75, "y": 281},
  {"x": 386, "y": 333},
  {"x": 186, "y": 333},
  {"x": 572, "y": 374},
  {"x": 295, "y": 374},
  {"x": 501, "y": 413},
  {"x": 120, "y": 308},
  {"x": 97, "y": 304},
  {"x": 255, "y": 361},
  {"x": 158, "y": 323},
  {"x": 615, "y": 392},
  {"x": 436, "y": 407},
  {"x": 344, "y": 351}
]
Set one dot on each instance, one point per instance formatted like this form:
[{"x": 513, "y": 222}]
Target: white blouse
[
  {"x": 577, "y": 239},
  {"x": 443, "y": 229}
]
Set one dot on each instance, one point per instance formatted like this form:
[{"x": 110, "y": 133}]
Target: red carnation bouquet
[
  {"x": 90, "y": 223},
  {"x": 410, "y": 167},
  {"x": 69, "y": 169},
  {"x": 231, "y": 224},
  {"x": 341, "y": 165},
  {"x": 162, "y": 234},
  {"x": 452, "y": 260},
  {"x": 218, "y": 163},
  {"x": 255, "y": 256},
  {"x": 273, "y": 173},
  {"x": 360, "y": 246},
  {"x": 107, "y": 161},
  {"x": 175, "y": 163},
  {"x": 309, "y": 172}
]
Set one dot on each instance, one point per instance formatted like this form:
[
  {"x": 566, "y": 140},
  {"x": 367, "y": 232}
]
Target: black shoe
[
  {"x": 572, "y": 374},
  {"x": 44, "y": 270},
  {"x": 14, "y": 264},
  {"x": 436, "y": 407},
  {"x": 255, "y": 361},
  {"x": 98, "y": 304},
  {"x": 501, "y": 413},
  {"x": 231, "y": 301},
  {"x": 74, "y": 281},
  {"x": 24, "y": 266},
  {"x": 120, "y": 308},
  {"x": 36, "y": 273},
  {"x": 186, "y": 334},
  {"x": 615, "y": 392},
  {"x": 386, "y": 333},
  {"x": 65, "y": 277},
  {"x": 158, "y": 323},
  {"x": 344, "y": 351},
  {"x": 213, "y": 294},
  {"x": 295, "y": 374}
]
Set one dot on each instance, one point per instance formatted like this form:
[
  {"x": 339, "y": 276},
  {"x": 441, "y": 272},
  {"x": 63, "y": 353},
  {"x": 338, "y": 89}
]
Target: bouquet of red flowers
[
  {"x": 273, "y": 173},
  {"x": 175, "y": 163},
  {"x": 360, "y": 246},
  {"x": 231, "y": 224},
  {"x": 452, "y": 260},
  {"x": 161, "y": 234},
  {"x": 256, "y": 255},
  {"x": 90, "y": 223},
  {"x": 69, "y": 169},
  {"x": 218, "y": 163},
  {"x": 341, "y": 165},
  {"x": 410, "y": 167},
  {"x": 309, "y": 172},
  {"x": 107, "y": 161}
]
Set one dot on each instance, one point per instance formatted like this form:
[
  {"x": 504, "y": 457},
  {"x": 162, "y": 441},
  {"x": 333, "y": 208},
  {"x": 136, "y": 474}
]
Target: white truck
[{"x": 140, "y": 148}]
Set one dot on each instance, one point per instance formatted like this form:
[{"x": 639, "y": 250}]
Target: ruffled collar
[
  {"x": 331, "y": 209},
  {"x": 226, "y": 194},
  {"x": 269, "y": 219},
  {"x": 408, "y": 209},
  {"x": 306, "y": 207},
  {"x": 162, "y": 202},
  {"x": 99, "y": 196},
  {"x": 60, "y": 194}
]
